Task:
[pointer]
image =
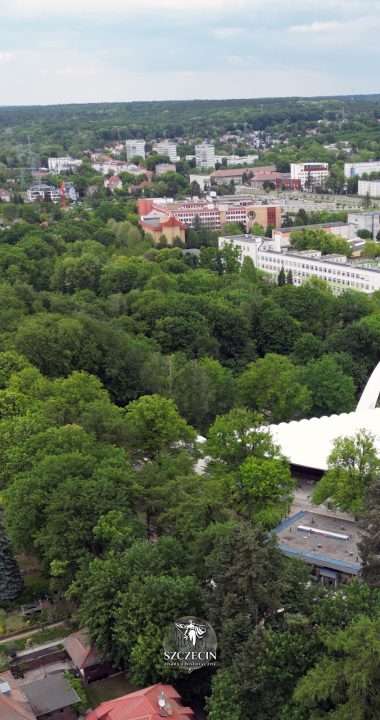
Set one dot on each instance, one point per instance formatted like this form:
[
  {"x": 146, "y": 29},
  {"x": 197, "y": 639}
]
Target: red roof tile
[
  {"x": 82, "y": 653},
  {"x": 143, "y": 705}
]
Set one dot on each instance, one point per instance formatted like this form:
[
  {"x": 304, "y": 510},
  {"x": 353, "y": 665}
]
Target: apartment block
[
  {"x": 369, "y": 187},
  {"x": 135, "y": 148},
  {"x": 169, "y": 149},
  {"x": 360, "y": 168},
  {"x": 205, "y": 156}
]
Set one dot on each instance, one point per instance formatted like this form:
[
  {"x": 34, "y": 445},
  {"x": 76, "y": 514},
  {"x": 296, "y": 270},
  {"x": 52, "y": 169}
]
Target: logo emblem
[{"x": 190, "y": 643}]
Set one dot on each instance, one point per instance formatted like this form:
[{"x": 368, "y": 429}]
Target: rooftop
[
  {"x": 143, "y": 705},
  {"x": 51, "y": 693},
  {"x": 321, "y": 540},
  {"x": 308, "y": 443},
  {"x": 80, "y": 650}
]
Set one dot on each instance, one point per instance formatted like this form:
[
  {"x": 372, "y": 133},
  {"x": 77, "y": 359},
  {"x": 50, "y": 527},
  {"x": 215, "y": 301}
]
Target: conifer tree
[
  {"x": 10, "y": 578},
  {"x": 281, "y": 280},
  {"x": 289, "y": 278}
]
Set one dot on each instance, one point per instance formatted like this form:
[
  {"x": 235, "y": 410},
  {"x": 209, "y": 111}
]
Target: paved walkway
[{"x": 30, "y": 633}]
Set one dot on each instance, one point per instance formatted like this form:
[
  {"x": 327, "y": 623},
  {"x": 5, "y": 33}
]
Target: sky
[{"x": 60, "y": 51}]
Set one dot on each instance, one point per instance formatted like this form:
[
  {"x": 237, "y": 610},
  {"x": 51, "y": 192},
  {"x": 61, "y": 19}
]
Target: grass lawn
[{"x": 108, "y": 689}]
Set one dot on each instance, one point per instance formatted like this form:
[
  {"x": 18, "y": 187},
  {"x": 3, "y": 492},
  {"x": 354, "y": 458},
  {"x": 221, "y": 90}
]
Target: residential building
[
  {"x": 341, "y": 229},
  {"x": 105, "y": 165},
  {"x": 135, "y": 148},
  {"x": 113, "y": 183},
  {"x": 62, "y": 164},
  {"x": 212, "y": 214},
  {"x": 369, "y": 187},
  {"x": 204, "y": 181},
  {"x": 310, "y": 174},
  {"x": 13, "y": 703},
  {"x": 169, "y": 149},
  {"x": 223, "y": 176},
  {"x": 360, "y": 168},
  {"x": 365, "y": 221},
  {"x": 52, "y": 698},
  {"x": 241, "y": 159},
  {"x": 44, "y": 192},
  {"x": 148, "y": 704},
  {"x": 335, "y": 270},
  {"x": 86, "y": 658},
  {"x": 163, "y": 168},
  {"x": 5, "y": 195},
  {"x": 205, "y": 156}
]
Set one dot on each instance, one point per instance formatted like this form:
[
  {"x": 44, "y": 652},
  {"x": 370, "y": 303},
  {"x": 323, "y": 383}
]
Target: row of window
[{"x": 302, "y": 273}]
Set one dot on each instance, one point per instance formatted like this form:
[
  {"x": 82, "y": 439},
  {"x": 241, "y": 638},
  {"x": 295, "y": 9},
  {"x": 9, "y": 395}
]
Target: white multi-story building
[
  {"x": 50, "y": 192},
  {"x": 365, "y": 221},
  {"x": 135, "y": 148},
  {"x": 169, "y": 149},
  {"x": 205, "y": 156},
  {"x": 359, "y": 168},
  {"x": 63, "y": 164},
  {"x": 369, "y": 187},
  {"x": 309, "y": 174},
  {"x": 42, "y": 192},
  {"x": 337, "y": 272}
]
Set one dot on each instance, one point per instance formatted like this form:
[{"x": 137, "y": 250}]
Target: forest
[
  {"x": 115, "y": 357},
  {"x": 31, "y": 134}
]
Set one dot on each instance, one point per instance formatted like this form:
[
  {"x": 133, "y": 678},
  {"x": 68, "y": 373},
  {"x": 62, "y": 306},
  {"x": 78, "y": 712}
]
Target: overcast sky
[{"x": 58, "y": 51}]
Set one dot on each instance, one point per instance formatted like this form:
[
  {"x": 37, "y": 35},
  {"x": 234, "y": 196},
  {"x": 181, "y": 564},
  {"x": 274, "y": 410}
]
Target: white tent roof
[{"x": 309, "y": 442}]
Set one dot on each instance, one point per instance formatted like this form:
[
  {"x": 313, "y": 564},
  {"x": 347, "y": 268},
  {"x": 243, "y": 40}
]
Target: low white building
[
  {"x": 369, "y": 187},
  {"x": 204, "y": 181},
  {"x": 359, "y": 168},
  {"x": 310, "y": 174},
  {"x": 63, "y": 164},
  {"x": 335, "y": 270},
  {"x": 241, "y": 159}
]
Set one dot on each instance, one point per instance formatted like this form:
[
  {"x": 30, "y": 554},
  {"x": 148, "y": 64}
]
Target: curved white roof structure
[{"x": 309, "y": 442}]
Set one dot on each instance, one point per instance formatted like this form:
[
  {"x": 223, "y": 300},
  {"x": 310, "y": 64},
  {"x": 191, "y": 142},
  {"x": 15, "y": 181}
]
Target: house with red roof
[
  {"x": 87, "y": 658},
  {"x": 13, "y": 703},
  {"x": 152, "y": 703}
]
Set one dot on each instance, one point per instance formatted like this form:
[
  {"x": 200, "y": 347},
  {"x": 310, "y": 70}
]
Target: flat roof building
[
  {"x": 360, "y": 168},
  {"x": 328, "y": 543},
  {"x": 335, "y": 270},
  {"x": 309, "y": 174},
  {"x": 369, "y": 187}
]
